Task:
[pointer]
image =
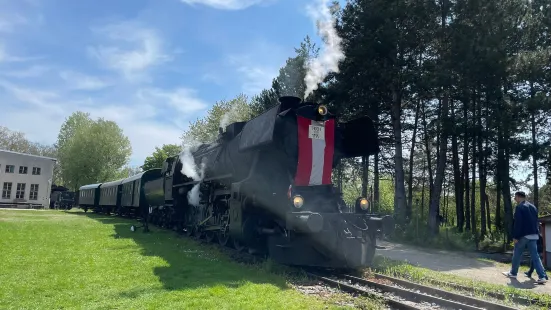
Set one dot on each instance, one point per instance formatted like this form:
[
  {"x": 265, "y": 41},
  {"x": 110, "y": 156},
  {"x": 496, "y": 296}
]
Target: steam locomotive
[{"x": 264, "y": 186}]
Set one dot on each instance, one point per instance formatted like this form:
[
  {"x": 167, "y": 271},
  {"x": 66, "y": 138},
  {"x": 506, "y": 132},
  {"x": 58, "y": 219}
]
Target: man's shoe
[
  {"x": 509, "y": 274},
  {"x": 529, "y": 275},
  {"x": 541, "y": 280}
]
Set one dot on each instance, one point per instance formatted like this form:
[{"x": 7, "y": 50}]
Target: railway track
[
  {"x": 404, "y": 295},
  {"x": 495, "y": 295}
]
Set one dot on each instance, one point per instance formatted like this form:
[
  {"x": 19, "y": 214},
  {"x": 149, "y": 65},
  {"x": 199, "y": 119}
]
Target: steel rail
[
  {"x": 431, "y": 294},
  {"x": 396, "y": 304}
]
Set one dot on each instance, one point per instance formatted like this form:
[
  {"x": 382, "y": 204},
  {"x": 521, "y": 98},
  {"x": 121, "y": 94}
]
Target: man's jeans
[{"x": 533, "y": 249}]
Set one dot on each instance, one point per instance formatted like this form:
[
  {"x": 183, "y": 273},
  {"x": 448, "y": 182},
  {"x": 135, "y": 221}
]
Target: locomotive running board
[{"x": 225, "y": 176}]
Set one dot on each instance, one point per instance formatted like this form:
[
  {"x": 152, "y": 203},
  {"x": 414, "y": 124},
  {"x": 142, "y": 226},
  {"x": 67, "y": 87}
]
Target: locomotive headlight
[
  {"x": 298, "y": 201},
  {"x": 322, "y": 110},
  {"x": 364, "y": 203}
]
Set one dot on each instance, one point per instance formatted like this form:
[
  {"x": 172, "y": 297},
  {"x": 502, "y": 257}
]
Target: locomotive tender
[{"x": 264, "y": 186}]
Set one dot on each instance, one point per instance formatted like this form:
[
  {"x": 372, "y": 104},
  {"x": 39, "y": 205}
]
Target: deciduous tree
[
  {"x": 91, "y": 151},
  {"x": 159, "y": 156}
]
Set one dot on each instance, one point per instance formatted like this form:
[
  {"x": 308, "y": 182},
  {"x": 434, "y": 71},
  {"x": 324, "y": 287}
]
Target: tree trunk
[
  {"x": 486, "y": 154},
  {"x": 467, "y": 197},
  {"x": 498, "y": 197},
  {"x": 424, "y": 180},
  {"x": 488, "y": 219},
  {"x": 503, "y": 171},
  {"x": 466, "y": 164},
  {"x": 534, "y": 158},
  {"x": 481, "y": 176},
  {"x": 440, "y": 169},
  {"x": 376, "y": 182},
  {"x": 473, "y": 191},
  {"x": 365, "y": 176},
  {"x": 411, "y": 156},
  {"x": 457, "y": 177},
  {"x": 473, "y": 175},
  {"x": 427, "y": 148},
  {"x": 400, "y": 190}
]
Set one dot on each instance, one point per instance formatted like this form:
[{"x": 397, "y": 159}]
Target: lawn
[{"x": 52, "y": 260}]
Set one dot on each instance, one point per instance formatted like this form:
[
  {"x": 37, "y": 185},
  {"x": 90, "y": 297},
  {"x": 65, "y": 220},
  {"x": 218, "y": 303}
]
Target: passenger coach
[
  {"x": 89, "y": 196},
  {"x": 123, "y": 197}
]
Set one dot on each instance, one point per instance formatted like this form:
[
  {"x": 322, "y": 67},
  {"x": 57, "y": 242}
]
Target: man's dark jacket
[{"x": 526, "y": 220}]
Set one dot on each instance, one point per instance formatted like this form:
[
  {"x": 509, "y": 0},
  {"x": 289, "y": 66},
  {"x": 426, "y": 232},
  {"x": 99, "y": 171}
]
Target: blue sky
[{"x": 151, "y": 66}]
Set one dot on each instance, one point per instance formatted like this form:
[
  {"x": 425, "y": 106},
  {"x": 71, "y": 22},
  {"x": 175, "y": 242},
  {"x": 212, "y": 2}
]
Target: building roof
[{"x": 24, "y": 154}]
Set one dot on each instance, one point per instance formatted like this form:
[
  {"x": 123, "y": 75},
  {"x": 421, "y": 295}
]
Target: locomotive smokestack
[{"x": 289, "y": 102}]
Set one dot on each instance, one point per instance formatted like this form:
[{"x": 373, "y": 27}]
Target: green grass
[
  {"x": 56, "y": 260},
  {"x": 426, "y": 276}
]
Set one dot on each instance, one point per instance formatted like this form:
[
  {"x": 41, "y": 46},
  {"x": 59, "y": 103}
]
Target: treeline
[{"x": 459, "y": 91}]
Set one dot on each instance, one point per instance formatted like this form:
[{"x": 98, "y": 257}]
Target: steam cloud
[
  {"x": 328, "y": 61},
  {"x": 229, "y": 116},
  {"x": 190, "y": 169}
]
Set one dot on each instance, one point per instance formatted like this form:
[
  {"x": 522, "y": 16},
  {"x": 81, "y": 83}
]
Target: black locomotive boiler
[{"x": 265, "y": 186}]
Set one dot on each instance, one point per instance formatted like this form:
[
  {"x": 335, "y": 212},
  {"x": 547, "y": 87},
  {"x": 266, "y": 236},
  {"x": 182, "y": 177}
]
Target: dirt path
[{"x": 460, "y": 265}]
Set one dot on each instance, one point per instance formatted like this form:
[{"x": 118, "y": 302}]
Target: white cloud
[
  {"x": 148, "y": 118},
  {"x": 255, "y": 77},
  {"x": 38, "y": 98},
  {"x": 6, "y": 57},
  {"x": 184, "y": 100},
  {"x": 227, "y": 4},
  {"x": 81, "y": 81},
  {"x": 256, "y": 71},
  {"x": 133, "y": 50},
  {"x": 33, "y": 71}
]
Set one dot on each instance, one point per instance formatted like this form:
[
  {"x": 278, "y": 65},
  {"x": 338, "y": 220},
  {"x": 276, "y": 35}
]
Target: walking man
[{"x": 525, "y": 235}]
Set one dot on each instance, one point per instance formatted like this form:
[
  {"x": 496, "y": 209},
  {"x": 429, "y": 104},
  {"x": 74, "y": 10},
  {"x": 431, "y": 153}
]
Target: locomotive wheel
[
  {"x": 209, "y": 236},
  {"x": 238, "y": 245},
  {"x": 223, "y": 238}
]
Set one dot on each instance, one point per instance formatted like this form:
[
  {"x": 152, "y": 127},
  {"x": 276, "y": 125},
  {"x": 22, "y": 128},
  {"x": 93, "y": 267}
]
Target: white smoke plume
[
  {"x": 229, "y": 116},
  {"x": 331, "y": 53},
  {"x": 190, "y": 169}
]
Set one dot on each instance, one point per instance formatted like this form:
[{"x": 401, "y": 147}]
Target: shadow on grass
[{"x": 189, "y": 263}]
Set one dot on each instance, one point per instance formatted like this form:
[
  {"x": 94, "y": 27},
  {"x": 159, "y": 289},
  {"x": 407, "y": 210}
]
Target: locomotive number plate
[{"x": 316, "y": 132}]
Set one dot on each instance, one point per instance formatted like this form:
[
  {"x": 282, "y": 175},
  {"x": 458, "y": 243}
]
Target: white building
[{"x": 25, "y": 179}]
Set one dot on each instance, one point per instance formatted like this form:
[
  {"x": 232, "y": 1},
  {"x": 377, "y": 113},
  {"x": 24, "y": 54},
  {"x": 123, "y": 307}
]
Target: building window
[
  {"x": 36, "y": 170},
  {"x": 22, "y": 170},
  {"x": 6, "y": 190},
  {"x": 20, "y": 193},
  {"x": 10, "y": 168},
  {"x": 33, "y": 194}
]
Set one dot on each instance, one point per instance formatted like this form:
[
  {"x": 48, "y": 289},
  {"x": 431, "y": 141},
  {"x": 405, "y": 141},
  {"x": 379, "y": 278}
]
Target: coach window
[
  {"x": 10, "y": 168},
  {"x": 36, "y": 170},
  {"x": 23, "y": 170},
  {"x": 6, "y": 190},
  {"x": 20, "y": 193},
  {"x": 33, "y": 194}
]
